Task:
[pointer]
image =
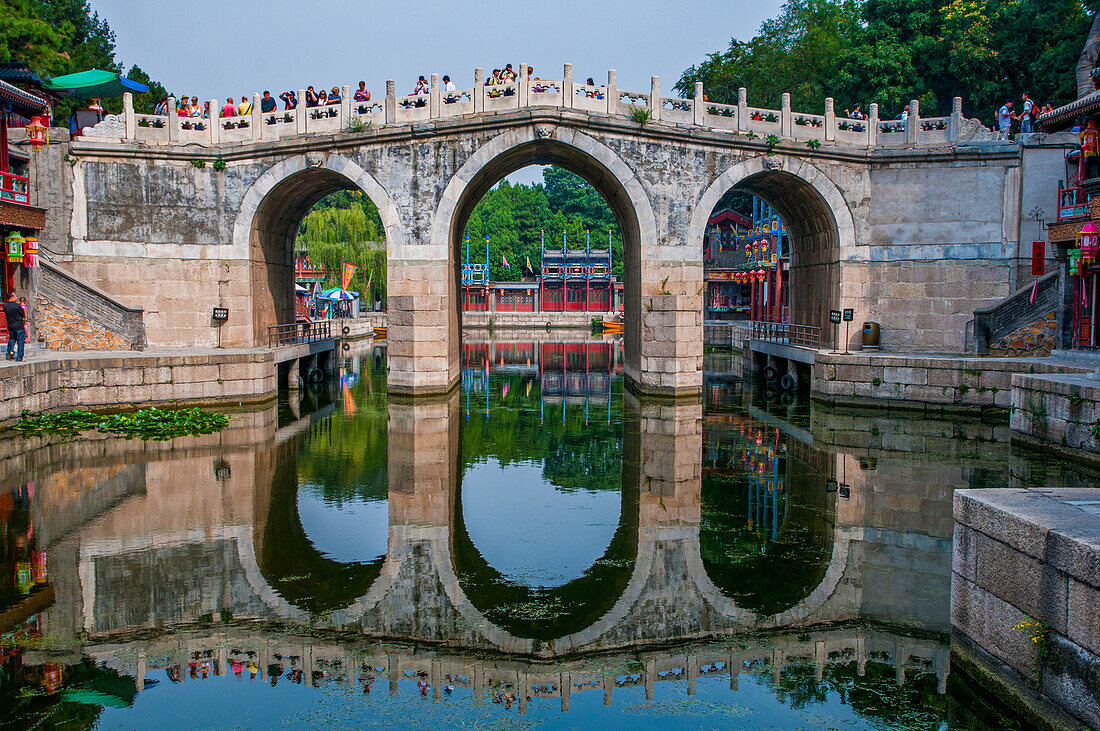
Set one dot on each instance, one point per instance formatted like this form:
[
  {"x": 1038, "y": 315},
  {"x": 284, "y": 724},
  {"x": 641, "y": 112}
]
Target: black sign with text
[
  {"x": 221, "y": 314},
  {"x": 849, "y": 315},
  {"x": 834, "y": 316}
]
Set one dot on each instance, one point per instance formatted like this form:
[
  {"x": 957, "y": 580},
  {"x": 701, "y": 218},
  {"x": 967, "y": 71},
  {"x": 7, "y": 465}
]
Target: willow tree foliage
[
  {"x": 892, "y": 51},
  {"x": 343, "y": 227}
]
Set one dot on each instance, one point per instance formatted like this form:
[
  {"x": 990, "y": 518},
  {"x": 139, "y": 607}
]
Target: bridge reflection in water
[{"x": 782, "y": 535}]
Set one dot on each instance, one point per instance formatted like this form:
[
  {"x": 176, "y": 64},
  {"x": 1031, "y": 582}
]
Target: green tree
[
  {"x": 58, "y": 37},
  {"x": 892, "y": 51}
]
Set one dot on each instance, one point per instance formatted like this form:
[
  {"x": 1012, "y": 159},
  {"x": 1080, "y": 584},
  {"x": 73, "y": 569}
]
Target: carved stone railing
[{"x": 526, "y": 91}]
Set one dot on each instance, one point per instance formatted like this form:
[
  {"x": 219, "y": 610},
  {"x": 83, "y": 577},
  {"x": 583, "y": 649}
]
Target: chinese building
[
  {"x": 1075, "y": 233},
  {"x": 745, "y": 263},
  {"x": 20, "y": 219},
  {"x": 568, "y": 280},
  {"x": 577, "y": 280}
]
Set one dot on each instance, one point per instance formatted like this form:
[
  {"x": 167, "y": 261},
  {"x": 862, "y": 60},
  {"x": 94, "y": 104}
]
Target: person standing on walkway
[
  {"x": 1028, "y": 114},
  {"x": 1004, "y": 119},
  {"x": 17, "y": 334}
]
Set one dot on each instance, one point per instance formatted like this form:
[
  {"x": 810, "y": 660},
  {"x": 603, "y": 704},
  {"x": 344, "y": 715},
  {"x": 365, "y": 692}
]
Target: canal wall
[
  {"x": 1025, "y": 595},
  {"x": 1059, "y": 412},
  {"x": 929, "y": 383},
  {"x": 532, "y": 320},
  {"x": 115, "y": 380}
]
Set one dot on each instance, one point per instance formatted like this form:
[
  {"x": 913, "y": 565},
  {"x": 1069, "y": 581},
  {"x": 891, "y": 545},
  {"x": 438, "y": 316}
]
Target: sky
[{"x": 216, "y": 48}]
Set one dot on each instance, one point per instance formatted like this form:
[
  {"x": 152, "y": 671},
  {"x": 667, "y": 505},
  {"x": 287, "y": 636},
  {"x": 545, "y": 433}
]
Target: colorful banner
[{"x": 348, "y": 273}]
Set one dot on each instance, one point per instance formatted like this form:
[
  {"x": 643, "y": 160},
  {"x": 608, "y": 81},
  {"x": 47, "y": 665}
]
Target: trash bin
[{"x": 870, "y": 336}]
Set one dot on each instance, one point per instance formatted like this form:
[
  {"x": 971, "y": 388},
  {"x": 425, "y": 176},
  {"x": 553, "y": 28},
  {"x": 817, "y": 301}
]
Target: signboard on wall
[{"x": 1038, "y": 258}]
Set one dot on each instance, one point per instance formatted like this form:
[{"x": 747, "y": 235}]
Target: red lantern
[
  {"x": 36, "y": 132},
  {"x": 1090, "y": 242}
]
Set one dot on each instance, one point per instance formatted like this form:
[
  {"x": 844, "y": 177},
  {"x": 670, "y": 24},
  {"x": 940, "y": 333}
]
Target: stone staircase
[{"x": 70, "y": 314}]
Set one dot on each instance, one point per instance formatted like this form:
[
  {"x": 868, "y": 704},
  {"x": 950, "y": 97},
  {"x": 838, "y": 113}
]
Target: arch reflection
[
  {"x": 544, "y": 528},
  {"x": 324, "y": 540},
  {"x": 766, "y": 539}
]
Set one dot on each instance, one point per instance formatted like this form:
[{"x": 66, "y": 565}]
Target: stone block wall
[
  {"x": 178, "y": 295},
  {"x": 1060, "y": 410},
  {"x": 921, "y": 306},
  {"x": 1025, "y": 590},
  {"x": 92, "y": 381},
  {"x": 921, "y": 383}
]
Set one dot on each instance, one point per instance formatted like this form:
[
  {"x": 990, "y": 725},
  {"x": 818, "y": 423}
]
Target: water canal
[{"x": 540, "y": 548}]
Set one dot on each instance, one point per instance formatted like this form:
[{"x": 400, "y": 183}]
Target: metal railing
[
  {"x": 805, "y": 336},
  {"x": 297, "y": 333}
]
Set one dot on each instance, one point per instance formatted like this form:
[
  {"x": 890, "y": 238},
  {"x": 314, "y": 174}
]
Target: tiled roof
[{"x": 21, "y": 102}]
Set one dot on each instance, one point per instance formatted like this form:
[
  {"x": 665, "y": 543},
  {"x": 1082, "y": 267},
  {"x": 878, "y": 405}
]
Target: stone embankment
[
  {"x": 118, "y": 380},
  {"x": 931, "y": 383},
  {"x": 531, "y": 320},
  {"x": 1025, "y": 599},
  {"x": 1060, "y": 412}
]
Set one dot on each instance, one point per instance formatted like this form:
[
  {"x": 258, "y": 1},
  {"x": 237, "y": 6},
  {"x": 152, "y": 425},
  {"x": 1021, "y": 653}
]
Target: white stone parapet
[{"x": 529, "y": 91}]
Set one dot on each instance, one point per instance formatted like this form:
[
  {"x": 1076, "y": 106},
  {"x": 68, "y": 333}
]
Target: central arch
[
  {"x": 816, "y": 214},
  {"x": 577, "y": 152}
]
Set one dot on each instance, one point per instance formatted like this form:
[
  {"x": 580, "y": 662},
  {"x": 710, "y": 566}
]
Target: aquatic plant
[{"x": 149, "y": 424}]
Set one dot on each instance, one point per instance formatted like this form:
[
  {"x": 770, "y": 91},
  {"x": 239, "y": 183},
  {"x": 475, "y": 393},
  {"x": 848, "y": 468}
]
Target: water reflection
[{"x": 564, "y": 547}]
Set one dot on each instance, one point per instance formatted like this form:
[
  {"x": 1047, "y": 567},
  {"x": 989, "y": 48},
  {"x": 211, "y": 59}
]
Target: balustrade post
[
  {"x": 655, "y": 98},
  {"x": 391, "y": 102},
  {"x": 912, "y": 124},
  {"x": 173, "y": 120},
  {"x": 128, "y": 115},
  {"x": 872, "y": 125},
  {"x": 213, "y": 123},
  {"x": 742, "y": 109},
  {"x": 523, "y": 93},
  {"x": 612, "y": 93},
  {"x": 301, "y": 113},
  {"x": 954, "y": 122},
  {"x": 433, "y": 98},
  {"x": 785, "y": 116},
  {"x": 567, "y": 86},
  {"x": 345, "y": 106},
  {"x": 257, "y": 118},
  {"x": 698, "y": 109},
  {"x": 830, "y": 120},
  {"x": 479, "y": 90}
]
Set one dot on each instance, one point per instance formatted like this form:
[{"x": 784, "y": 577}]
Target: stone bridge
[
  {"x": 213, "y": 525},
  {"x": 886, "y": 217}
]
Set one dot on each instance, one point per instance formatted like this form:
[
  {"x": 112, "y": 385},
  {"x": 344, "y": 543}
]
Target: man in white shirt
[{"x": 449, "y": 88}]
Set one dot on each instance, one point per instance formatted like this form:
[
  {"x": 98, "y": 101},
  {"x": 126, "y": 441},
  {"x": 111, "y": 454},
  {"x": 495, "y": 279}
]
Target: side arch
[
  {"x": 815, "y": 211},
  {"x": 270, "y": 212}
]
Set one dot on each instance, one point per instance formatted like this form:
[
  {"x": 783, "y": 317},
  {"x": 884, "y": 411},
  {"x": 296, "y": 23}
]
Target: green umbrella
[{"x": 93, "y": 84}]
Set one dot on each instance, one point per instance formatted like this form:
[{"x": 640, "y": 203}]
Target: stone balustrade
[{"x": 528, "y": 92}]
